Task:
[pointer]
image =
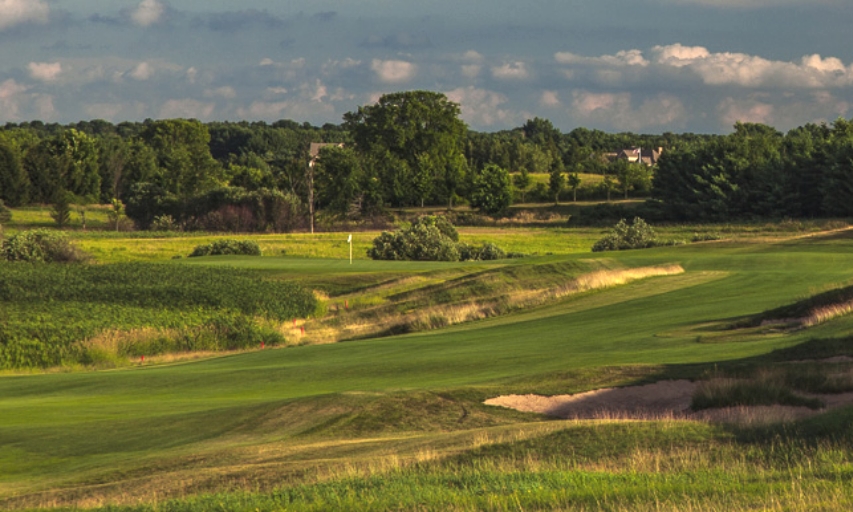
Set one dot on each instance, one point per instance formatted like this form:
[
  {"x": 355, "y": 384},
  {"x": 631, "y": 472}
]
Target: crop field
[{"x": 368, "y": 394}]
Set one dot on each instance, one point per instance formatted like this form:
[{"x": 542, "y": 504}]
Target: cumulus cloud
[
  {"x": 11, "y": 93},
  {"x": 16, "y": 12},
  {"x": 45, "y": 71},
  {"x": 148, "y": 12},
  {"x": 749, "y": 4},
  {"x": 732, "y": 110},
  {"x": 511, "y": 71},
  {"x": 484, "y": 107},
  {"x": 142, "y": 71},
  {"x": 550, "y": 99},
  {"x": 186, "y": 108},
  {"x": 677, "y": 61},
  {"x": 225, "y": 92},
  {"x": 393, "y": 71},
  {"x": 624, "y": 111}
]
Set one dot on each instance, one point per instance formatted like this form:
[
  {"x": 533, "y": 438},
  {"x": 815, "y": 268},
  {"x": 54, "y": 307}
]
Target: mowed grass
[{"x": 273, "y": 417}]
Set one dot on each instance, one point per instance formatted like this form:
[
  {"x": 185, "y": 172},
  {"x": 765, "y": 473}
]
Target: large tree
[
  {"x": 422, "y": 131},
  {"x": 183, "y": 156}
]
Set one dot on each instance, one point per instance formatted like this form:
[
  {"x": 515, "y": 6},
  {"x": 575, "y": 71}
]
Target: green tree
[
  {"x": 338, "y": 179},
  {"x": 68, "y": 162},
  {"x": 14, "y": 182},
  {"x": 556, "y": 180},
  {"x": 574, "y": 182},
  {"x": 491, "y": 190},
  {"x": 185, "y": 165},
  {"x": 116, "y": 212},
  {"x": 407, "y": 126},
  {"x": 60, "y": 211},
  {"x": 522, "y": 181}
]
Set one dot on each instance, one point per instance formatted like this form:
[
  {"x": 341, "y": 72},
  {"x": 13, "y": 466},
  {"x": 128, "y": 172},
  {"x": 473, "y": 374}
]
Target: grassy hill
[{"x": 398, "y": 422}]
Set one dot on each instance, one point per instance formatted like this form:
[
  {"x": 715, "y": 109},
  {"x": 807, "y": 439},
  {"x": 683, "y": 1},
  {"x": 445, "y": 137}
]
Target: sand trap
[{"x": 665, "y": 399}]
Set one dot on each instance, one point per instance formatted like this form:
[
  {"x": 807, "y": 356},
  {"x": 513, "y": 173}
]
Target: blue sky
[{"x": 640, "y": 65}]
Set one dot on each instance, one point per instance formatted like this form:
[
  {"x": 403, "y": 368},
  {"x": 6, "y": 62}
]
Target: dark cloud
[
  {"x": 398, "y": 41},
  {"x": 240, "y": 20},
  {"x": 105, "y": 20},
  {"x": 325, "y": 16},
  {"x": 63, "y": 45}
]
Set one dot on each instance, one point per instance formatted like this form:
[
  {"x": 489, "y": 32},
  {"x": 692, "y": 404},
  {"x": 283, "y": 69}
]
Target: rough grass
[{"x": 395, "y": 308}]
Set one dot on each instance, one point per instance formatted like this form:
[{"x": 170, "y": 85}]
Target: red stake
[
  {"x": 262, "y": 344},
  {"x": 346, "y": 305},
  {"x": 142, "y": 359},
  {"x": 294, "y": 322},
  {"x": 303, "y": 329}
]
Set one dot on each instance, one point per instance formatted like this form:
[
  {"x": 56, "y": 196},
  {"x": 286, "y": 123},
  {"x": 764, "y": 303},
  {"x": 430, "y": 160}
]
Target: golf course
[{"x": 348, "y": 407}]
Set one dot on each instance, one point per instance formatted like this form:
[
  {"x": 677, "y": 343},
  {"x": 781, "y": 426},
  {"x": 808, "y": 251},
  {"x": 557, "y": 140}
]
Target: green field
[{"x": 398, "y": 422}]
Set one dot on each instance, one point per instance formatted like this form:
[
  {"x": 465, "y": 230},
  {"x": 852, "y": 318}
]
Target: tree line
[{"x": 410, "y": 149}]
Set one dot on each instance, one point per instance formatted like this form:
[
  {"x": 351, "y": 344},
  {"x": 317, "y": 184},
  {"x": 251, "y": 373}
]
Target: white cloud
[
  {"x": 752, "y": 71},
  {"x": 679, "y": 62},
  {"x": 225, "y": 92},
  {"x": 11, "y": 97},
  {"x": 16, "y": 12},
  {"x": 142, "y": 71},
  {"x": 750, "y": 4},
  {"x": 45, "y": 71},
  {"x": 483, "y": 107},
  {"x": 471, "y": 70},
  {"x": 277, "y": 90},
  {"x": 550, "y": 99},
  {"x": 186, "y": 108},
  {"x": 621, "y": 111},
  {"x": 511, "y": 71},
  {"x": 148, "y": 12},
  {"x": 393, "y": 71},
  {"x": 472, "y": 56},
  {"x": 732, "y": 110}
]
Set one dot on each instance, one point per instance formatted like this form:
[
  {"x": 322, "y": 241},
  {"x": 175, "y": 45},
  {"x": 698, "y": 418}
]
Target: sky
[{"x": 647, "y": 66}]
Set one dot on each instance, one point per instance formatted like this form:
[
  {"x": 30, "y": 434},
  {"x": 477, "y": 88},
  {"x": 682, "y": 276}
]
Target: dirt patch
[{"x": 665, "y": 399}]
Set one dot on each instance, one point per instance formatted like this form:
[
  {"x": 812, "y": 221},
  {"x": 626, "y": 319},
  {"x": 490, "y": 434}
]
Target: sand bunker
[{"x": 665, "y": 399}]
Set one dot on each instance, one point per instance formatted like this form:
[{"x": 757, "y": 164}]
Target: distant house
[{"x": 637, "y": 155}]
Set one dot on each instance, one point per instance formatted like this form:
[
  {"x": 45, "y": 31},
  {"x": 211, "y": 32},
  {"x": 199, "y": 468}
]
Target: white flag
[{"x": 349, "y": 239}]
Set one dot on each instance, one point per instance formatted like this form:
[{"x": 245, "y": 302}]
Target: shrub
[
  {"x": 40, "y": 245},
  {"x": 429, "y": 238},
  {"x": 637, "y": 235},
  {"x": 226, "y": 247},
  {"x": 164, "y": 223},
  {"x": 490, "y": 251}
]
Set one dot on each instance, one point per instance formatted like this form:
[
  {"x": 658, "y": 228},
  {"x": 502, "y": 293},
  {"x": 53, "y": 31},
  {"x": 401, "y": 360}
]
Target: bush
[
  {"x": 164, "y": 223},
  {"x": 429, "y": 238},
  {"x": 226, "y": 247},
  {"x": 637, "y": 235},
  {"x": 40, "y": 245},
  {"x": 490, "y": 251}
]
